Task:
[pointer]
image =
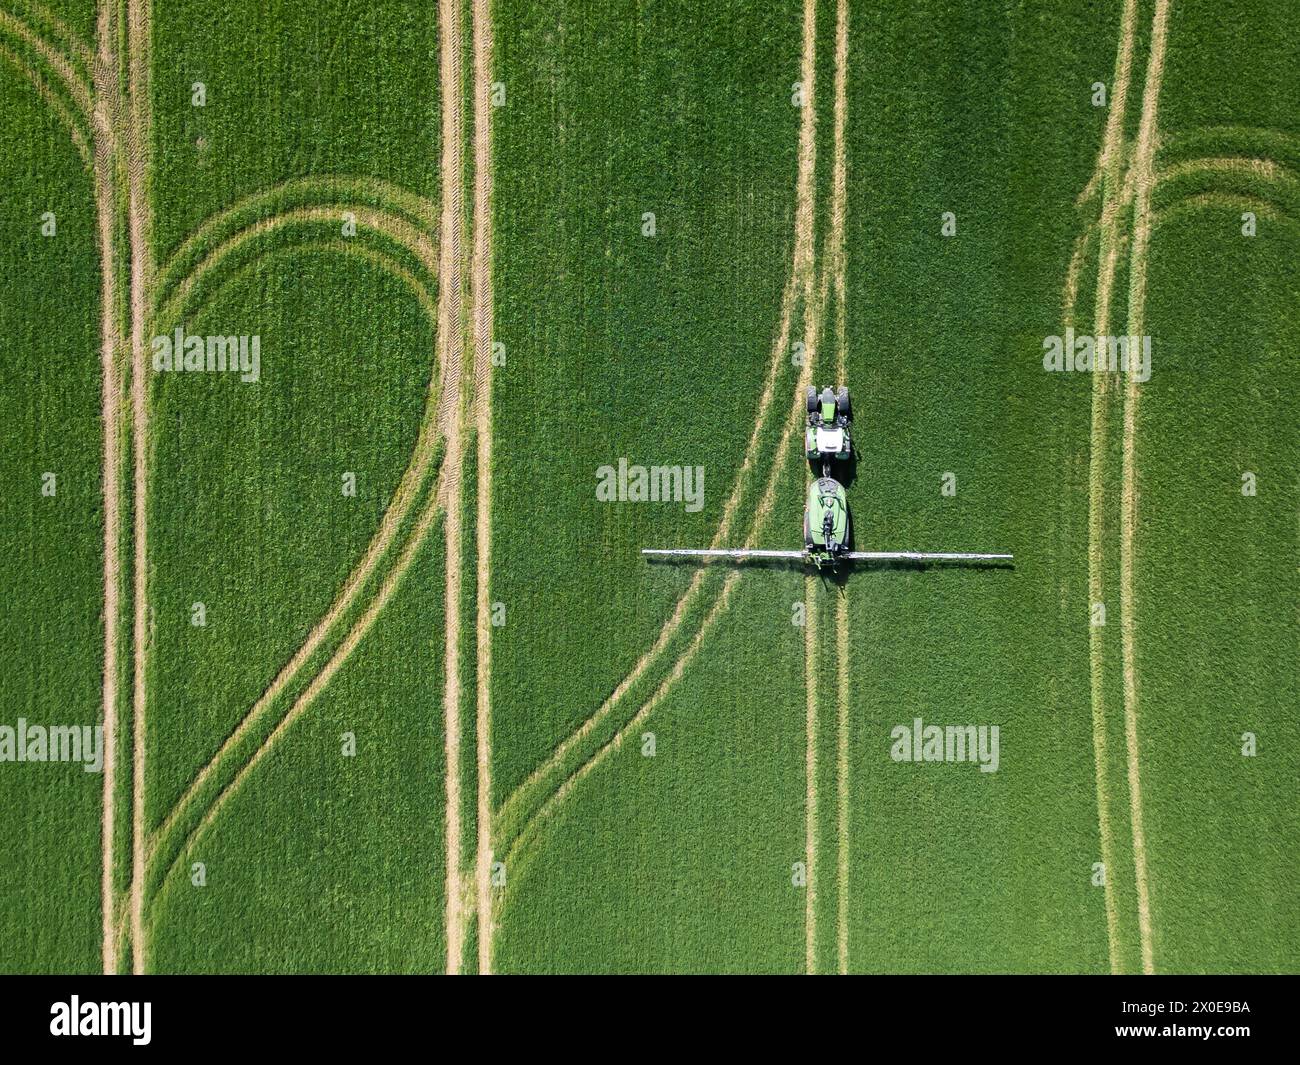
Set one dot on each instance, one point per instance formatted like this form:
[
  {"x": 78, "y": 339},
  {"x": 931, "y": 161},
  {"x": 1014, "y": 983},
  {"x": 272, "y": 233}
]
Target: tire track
[
  {"x": 408, "y": 488},
  {"x": 1144, "y": 182},
  {"x": 842, "y": 766},
  {"x": 54, "y": 102},
  {"x": 395, "y": 515},
  {"x": 392, "y": 581},
  {"x": 115, "y": 208},
  {"x": 73, "y": 45},
  {"x": 139, "y": 219},
  {"x": 420, "y": 286},
  {"x": 810, "y": 774},
  {"x": 1221, "y": 139},
  {"x": 112, "y": 410},
  {"x": 121, "y": 125},
  {"x": 1226, "y": 200},
  {"x": 450, "y": 419},
  {"x": 338, "y": 190},
  {"x": 342, "y": 192},
  {"x": 830, "y": 279},
  {"x": 1139, "y": 180},
  {"x": 814, "y": 301},
  {"x": 79, "y": 89},
  {"x": 561, "y": 753},
  {"x": 1078, "y": 259},
  {"x": 1109, "y": 167},
  {"x": 798, "y": 282},
  {"x": 390, "y": 226},
  {"x": 481, "y": 323},
  {"x": 762, "y": 513},
  {"x": 838, "y": 267},
  {"x": 411, "y": 238},
  {"x": 1266, "y": 169},
  {"x": 118, "y": 147}
]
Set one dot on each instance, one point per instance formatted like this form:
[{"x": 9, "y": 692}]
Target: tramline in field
[{"x": 827, "y": 528}]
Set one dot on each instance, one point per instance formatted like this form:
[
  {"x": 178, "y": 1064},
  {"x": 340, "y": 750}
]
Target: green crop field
[{"x": 345, "y": 343}]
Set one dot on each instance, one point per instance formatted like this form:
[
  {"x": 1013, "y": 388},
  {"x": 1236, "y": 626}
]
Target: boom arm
[
  {"x": 922, "y": 556},
  {"x": 719, "y": 552}
]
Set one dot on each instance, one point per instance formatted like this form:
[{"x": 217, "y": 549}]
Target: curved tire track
[
  {"x": 1144, "y": 181},
  {"x": 1109, "y": 174},
  {"x": 801, "y": 289},
  {"x": 400, "y": 505},
  {"x": 513, "y": 820}
]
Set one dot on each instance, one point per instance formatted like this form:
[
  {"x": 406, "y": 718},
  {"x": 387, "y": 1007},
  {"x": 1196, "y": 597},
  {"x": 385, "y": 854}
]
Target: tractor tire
[
  {"x": 812, "y": 400},
  {"x": 842, "y": 403}
]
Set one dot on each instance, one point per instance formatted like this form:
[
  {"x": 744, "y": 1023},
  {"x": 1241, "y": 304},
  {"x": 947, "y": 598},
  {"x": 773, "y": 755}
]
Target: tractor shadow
[
  {"x": 840, "y": 577},
  {"x": 791, "y": 565},
  {"x": 837, "y": 578}
]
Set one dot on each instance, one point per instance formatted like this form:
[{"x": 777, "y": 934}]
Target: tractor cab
[
  {"x": 826, "y": 437},
  {"x": 825, "y": 521}
]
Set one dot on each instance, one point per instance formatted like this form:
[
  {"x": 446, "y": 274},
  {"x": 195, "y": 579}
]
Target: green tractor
[
  {"x": 826, "y": 526},
  {"x": 826, "y": 436}
]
